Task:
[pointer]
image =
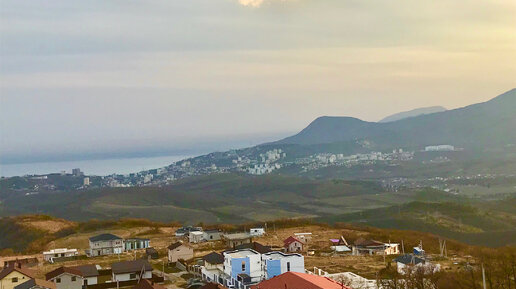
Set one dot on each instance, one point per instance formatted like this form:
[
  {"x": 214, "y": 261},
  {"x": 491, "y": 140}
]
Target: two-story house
[
  {"x": 213, "y": 268},
  {"x": 244, "y": 266},
  {"x": 14, "y": 275},
  {"x": 105, "y": 244},
  {"x": 277, "y": 263},
  {"x": 66, "y": 278}
]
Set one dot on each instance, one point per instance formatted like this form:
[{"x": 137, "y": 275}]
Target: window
[
  {"x": 243, "y": 266},
  {"x": 132, "y": 276},
  {"x": 15, "y": 280},
  {"x": 58, "y": 280},
  {"x": 288, "y": 266},
  {"x": 74, "y": 278}
]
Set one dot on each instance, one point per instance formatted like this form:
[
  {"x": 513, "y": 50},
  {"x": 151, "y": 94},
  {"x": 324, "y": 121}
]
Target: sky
[{"x": 97, "y": 78}]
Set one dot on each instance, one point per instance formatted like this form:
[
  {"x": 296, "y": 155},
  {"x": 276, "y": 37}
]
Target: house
[
  {"x": 151, "y": 253},
  {"x": 66, "y": 278},
  {"x": 36, "y": 284},
  {"x": 235, "y": 239},
  {"x": 25, "y": 262},
  {"x": 212, "y": 235},
  {"x": 195, "y": 237},
  {"x": 184, "y": 231},
  {"x": 136, "y": 243},
  {"x": 242, "y": 266},
  {"x": 257, "y": 232},
  {"x": 213, "y": 267},
  {"x": 292, "y": 244},
  {"x": 89, "y": 273},
  {"x": 407, "y": 261},
  {"x": 277, "y": 263},
  {"x": 371, "y": 247},
  {"x": 303, "y": 237},
  {"x": 105, "y": 244},
  {"x": 340, "y": 245},
  {"x": 13, "y": 276},
  {"x": 255, "y": 246},
  {"x": 131, "y": 270},
  {"x": 179, "y": 251},
  {"x": 299, "y": 280},
  {"x": 147, "y": 284},
  {"x": 49, "y": 256}
]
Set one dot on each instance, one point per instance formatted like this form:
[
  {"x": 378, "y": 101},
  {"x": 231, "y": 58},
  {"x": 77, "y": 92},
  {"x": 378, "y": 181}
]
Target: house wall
[
  {"x": 279, "y": 265},
  {"x": 67, "y": 283},
  {"x": 91, "y": 280},
  {"x": 181, "y": 252},
  {"x": 127, "y": 276},
  {"x": 295, "y": 247},
  {"x": 273, "y": 268},
  {"x": 236, "y": 267},
  {"x": 212, "y": 236},
  {"x": 106, "y": 247},
  {"x": 48, "y": 257},
  {"x": 7, "y": 281}
]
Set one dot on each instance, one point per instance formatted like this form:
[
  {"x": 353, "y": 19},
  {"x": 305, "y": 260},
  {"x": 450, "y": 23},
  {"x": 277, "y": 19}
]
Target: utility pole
[
  {"x": 402, "y": 247},
  {"x": 483, "y": 276}
]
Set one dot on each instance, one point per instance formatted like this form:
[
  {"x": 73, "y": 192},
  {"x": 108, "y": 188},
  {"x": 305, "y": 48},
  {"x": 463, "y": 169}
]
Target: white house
[
  {"x": 195, "y": 237},
  {"x": 244, "y": 266},
  {"x": 58, "y": 253},
  {"x": 213, "y": 268},
  {"x": 212, "y": 235},
  {"x": 131, "y": 270},
  {"x": 257, "y": 232},
  {"x": 179, "y": 251},
  {"x": 277, "y": 263}
]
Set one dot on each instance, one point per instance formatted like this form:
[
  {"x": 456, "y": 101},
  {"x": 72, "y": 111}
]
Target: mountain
[
  {"x": 480, "y": 125},
  {"x": 413, "y": 113}
]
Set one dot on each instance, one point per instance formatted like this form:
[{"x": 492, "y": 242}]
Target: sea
[{"x": 102, "y": 167}]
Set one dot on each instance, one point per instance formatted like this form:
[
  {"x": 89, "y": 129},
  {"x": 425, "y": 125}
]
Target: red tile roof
[
  {"x": 291, "y": 240},
  {"x": 294, "y": 280}
]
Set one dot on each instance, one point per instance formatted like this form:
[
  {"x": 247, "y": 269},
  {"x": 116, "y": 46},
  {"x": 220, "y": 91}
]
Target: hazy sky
[{"x": 102, "y": 76}]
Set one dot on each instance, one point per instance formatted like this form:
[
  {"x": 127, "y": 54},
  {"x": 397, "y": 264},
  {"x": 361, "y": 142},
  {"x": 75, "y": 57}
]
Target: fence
[{"x": 154, "y": 279}]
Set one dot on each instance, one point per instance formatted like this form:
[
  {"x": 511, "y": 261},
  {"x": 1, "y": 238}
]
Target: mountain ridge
[{"x": 412, "y": 113}]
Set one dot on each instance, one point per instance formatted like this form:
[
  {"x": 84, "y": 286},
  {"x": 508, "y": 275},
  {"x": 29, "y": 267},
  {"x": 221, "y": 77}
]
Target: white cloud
[{"x": 257, "y": 3}]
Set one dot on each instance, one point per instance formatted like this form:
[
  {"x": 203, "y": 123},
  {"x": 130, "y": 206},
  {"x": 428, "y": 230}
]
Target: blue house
[{"x": 136, "y": 243}]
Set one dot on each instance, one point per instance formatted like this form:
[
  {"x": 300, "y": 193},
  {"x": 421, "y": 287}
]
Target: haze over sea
[{"x": 99, "y": 167}]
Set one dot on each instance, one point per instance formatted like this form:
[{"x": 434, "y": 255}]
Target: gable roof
[
  {"x": 368, "y": 243},
  {"x": 409, "y": 259},
  {"x": 89, "y": 270},
  {"x": 36, "y": 282},
  {"x": 214, "y": 258},
  {"x": 146, "y": 284},
  {"x": 8, "y": 270},
  {"x": 291, "y": 240},
  {"x": 294, "y": 280},
  {"x": 131, "y": 266},
  {"x": 62, "y": 270},
  {"x": 104, "y": 237},
  {"x": 255, "y": 246},
  {"x": 176, "y": 245}
]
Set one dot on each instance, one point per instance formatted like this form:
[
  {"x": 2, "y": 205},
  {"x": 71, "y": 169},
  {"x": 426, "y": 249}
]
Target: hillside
[
  {"x": 413, "y": 113},
  {"x": 476, "y": 126},
  {"x": 473, "y": 223}
]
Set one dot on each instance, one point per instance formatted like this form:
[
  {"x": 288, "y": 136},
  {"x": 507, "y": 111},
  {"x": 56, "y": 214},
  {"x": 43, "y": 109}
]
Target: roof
[
  {"x": 196, "y": 233},
  {"x": 241, "y": 253},
  {"x": 36, "y": 282},
  {"x": 8, "y": 270},
  {"x": 87, "y": 270},
  {"x": 409, "y": 259},
  {"x": 137, "y": 239},
  {"x": 146, "y": 284},
  {"x": 61, "y": 250},
  {"x": 62, "y": 270},
  {"x": 214, "y": 258},
  {"x": 255, "y": 246},
  {"x": 368, "y": 243},
  {"x": 131, "y": 266},
  {"x": 238, "y": 236},
  {"x": 176, "y": 245},
  {"x": 104, "y": 237},
  {"x": 213, "y": 286},
  {"x": 291, "y": 240},
  {"x": 294, "y": 280}
]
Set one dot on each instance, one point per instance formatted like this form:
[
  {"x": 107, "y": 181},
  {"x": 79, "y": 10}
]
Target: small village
[{"x": 193, "y": 257}]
